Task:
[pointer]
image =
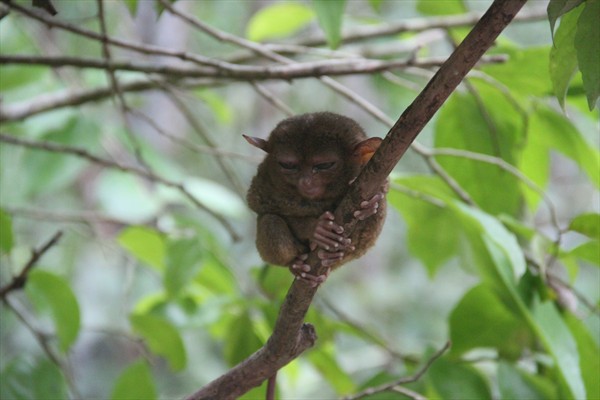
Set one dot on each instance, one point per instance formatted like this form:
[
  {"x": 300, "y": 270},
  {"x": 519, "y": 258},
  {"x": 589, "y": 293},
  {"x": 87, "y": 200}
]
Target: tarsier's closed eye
[
  {"x": 289, "y": 166},
  {"x": 324, "y": 166}
]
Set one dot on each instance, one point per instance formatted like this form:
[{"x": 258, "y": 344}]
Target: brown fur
[{"x": 287, "y": 219}]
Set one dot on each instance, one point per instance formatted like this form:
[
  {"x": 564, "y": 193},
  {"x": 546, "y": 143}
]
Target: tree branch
[
  {"x": 19, "y": 281},
  {"x": 285, "y": 338},
  {"x": 395, "y": 386},
  {"x": 81, "y": 153},
  {"x": 293, "y": 70},
  {"x": 71, "y": 98}
]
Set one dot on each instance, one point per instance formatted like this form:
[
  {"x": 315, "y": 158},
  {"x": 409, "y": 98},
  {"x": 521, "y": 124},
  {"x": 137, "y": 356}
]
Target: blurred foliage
[{"x": 148, "y": 297}]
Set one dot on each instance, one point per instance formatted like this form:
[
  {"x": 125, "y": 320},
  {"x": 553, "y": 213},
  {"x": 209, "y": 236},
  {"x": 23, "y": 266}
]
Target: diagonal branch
[
  {"x": 19, "y": 281},
  {"x": 283, "y": 346},
  {"x": 402, "y": 381},
  {"x": 106, "y": 163}
]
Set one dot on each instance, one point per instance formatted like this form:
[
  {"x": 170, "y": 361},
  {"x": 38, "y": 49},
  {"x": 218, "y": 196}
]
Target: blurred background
[{"x": 156, "y": 282}]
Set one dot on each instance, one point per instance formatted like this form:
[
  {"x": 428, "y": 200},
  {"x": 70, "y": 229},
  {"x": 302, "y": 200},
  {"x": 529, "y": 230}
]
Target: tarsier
[{"x": 311, "y": 161}]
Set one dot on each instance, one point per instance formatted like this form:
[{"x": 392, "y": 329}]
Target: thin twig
[
  {"x": 137, "y": 47},
  {"x": 414, "y": 25},
  {"x": 188, "y": 144},
  {"x": 71, "y": 98},
  {"x": 402, "y": 381},
  {"x": 505, "y": 166},
  {"x": 191, "y": 119},
  {"x": 59, "y": 148},
  {"x": 408, "y": 393},
  {"x": 116, "y": 87},
  {"x": 367, "y": 32},
  {"x": 271, "y": 99},
  {"x": 77, "y": 217},
  {"x": 289, "y": 71},
  {"x": 366, "y": 332},
  {"x": 43, "y": 340},
  {"x": 593, "y": 308},
  {"x": 19, "y": 281}
]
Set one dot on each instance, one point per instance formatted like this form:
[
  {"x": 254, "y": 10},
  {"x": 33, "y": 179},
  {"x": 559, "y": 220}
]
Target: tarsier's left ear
[
  {"x": 257, "y": 142},
  {"x": 365, "y": 149}
]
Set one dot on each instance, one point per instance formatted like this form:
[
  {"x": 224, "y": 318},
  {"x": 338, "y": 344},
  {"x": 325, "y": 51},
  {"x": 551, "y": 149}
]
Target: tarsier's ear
[
  {"x": 365, "y": 149},
  {"x": 257, "y": 142}
]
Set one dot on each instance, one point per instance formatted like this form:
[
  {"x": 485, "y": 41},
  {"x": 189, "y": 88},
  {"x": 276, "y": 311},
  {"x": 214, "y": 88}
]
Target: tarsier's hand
[
  {"x": 370, "y": 207},
  {"x": 331, "y": 240}
]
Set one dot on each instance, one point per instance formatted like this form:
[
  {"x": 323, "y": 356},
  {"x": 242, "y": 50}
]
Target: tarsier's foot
[
  {"x": 329, "y": 258},
  {"x": 370, "y": 207},
  {"x": 301, "y": 270}
]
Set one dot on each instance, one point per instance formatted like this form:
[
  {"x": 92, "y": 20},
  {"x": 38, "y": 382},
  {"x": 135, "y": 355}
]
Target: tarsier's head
[{"x": 317, "y": 155}]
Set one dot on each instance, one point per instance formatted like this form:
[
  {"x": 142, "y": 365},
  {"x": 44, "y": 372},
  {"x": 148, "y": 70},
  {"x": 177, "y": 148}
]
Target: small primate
[{"x": 311, "y": 161}]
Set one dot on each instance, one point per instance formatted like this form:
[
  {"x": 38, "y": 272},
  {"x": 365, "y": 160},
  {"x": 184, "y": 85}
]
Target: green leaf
[
  {"x": 184, "y": 258},
  {"x": 215, "y": 196},
  {"x": 278, "y": 20},
  {"x": 273, "y": 281},
  {"x": 131, "y": 6},
  {"x": 48, "y": 172},
  {"x": 496, "y": 130},
  {"x": 135, "y": 383},
  {"x": 145, "y": 244},
  {"x": 520, "y": 228},
  {"x": 499, "y": 257},
  {"x": 515, "y": 383},
  {"x": 259, "y": 392},
  {"x": 376, "y": 4},
  {"x": 23, "y": 379},
  {"x": 560, "y": 344},
  {"x": 159, "y": 8},
  {"x": 456, "y": 380},
  {"x": 588, "y": 251},
  {"x": 436, "y": 7},
  {"x": 563, "y": 57},
  {"x": 46, "y": 289},
  {"x": 589, "y": 355},
  {"x": 324, "y": 361},
  {"x": 218, "y": 105},
  {"x": 526, "y": 72},
  {"x": 480, "y": 319},
  {"x": 16, "y": 77},
  {"x": 549, "y": 130},
  {"x": 587, "y": 224},
  {"x": 556, "y": 8},
  {"x": 162, "y": 338},
  {"x": 136, "y": 202},
  {"x": 6, "y": 234},
  {"x": 216, "y": 277},
  {"x": 241, "y": 339},
  {"x": 587, "y": 44},
  {"x": 439, "y": 230},
  {"x": 330, "y": 14}
]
